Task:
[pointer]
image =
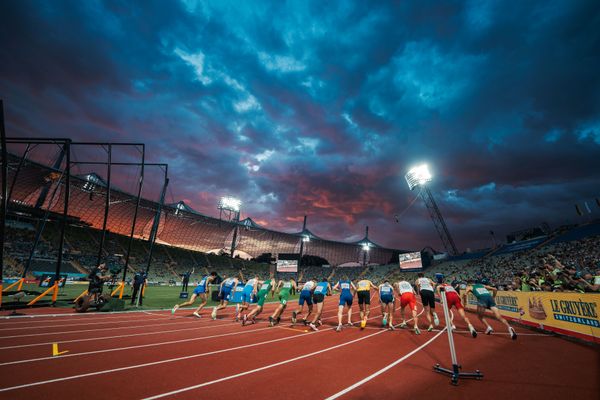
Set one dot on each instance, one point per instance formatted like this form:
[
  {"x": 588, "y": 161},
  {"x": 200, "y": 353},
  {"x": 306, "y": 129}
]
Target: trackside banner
[{"x": 572, "y": 314}]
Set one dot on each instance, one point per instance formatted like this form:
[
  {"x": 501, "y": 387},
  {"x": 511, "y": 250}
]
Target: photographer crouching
[{"x": 97, "y": 278}]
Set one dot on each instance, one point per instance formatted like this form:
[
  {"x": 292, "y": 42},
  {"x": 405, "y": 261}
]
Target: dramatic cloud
[{"x": 319, "y": 108}]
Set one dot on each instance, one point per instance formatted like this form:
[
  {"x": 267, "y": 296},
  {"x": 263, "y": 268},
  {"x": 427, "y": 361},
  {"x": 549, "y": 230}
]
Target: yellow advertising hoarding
[{"x": 573, "y": 314}]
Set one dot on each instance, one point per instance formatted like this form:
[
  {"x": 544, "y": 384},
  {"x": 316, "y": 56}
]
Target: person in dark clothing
[
  {"x": 139, "y": 280},
  {"x": 97, "y": 278},
  {"x": 186, "y": 280}
]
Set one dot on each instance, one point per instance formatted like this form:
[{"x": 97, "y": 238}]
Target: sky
[{"x": 320, "y": 108}]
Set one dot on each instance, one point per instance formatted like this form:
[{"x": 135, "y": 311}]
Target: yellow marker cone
[{"x": 55, "y": 351}]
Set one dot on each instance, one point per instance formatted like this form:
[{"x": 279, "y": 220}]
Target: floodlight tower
[
  {"x": 230, "y": 207},
  {"x": 418, "y": 177}
]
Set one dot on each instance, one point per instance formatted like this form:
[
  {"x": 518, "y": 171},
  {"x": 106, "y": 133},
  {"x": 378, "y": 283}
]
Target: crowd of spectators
[{"x": 559, "y": 266}]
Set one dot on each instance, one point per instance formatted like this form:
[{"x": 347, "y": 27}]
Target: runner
[
  {"x": 265, "y": 287},
  {"x": 386, "y": 298},
  {"x": 284, "y": 288},
  {"x": 425, "y": 288},
  {"x": 322, "y": 289},
  {"x": 346, "y": 296},
  {"x": 453, "y": 300},
  {"x": 249, "y": 291},
  {"x": 363, "y": 292},
  {"x": 305, "y": 296},
  {"x": 200, "y": 291},
  {"x": 485, "y": 300},
  {"x": 227, "y": 287},
  {"x": 407, "y": 298},
  {"x": 237, "y": 297}
]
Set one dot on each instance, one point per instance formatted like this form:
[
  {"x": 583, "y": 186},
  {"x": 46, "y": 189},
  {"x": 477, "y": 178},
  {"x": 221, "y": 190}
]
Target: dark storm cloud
[{"x": 320, "y": 108}]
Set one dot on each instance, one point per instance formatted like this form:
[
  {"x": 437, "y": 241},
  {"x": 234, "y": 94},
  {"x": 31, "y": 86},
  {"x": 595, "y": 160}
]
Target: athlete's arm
[
  {"x": 493, "y": 289},
  {"x": 374, "y": 286},
  {"x": 336, "y": 286}
]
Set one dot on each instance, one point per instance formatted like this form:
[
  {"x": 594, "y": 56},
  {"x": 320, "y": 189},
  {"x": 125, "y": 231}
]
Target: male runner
[
  {"x": 284, "y": 288},
  {"x": 485, "y": 300},
  {"x": 200, "y": 291},
  {"x": 322, "y": 289},
  {"x": 250, "y": 289},
  {"x": 346, "y": 296},
  {"x": 386, "y": 297},
  {"x": 227, "y": 287},
  {"x": 363, "y": 292},
  {"x": 237, "y": 297},
  {"x": 407, "y": 298},
  {"x": 306, "y": 295},
  {"x": 425, "y": 288},
  {"x": 265, "y": 287},
  {"x": 453, "y": 300}
]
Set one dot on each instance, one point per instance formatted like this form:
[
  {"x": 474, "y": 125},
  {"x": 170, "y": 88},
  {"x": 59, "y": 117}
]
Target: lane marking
[
  {"x": 139, "y": 346},
  {"x": 381, "y": 371},
  {"x": 252, "y": 371},
  {"x": 55, "y": 351},
  {"x": 27, "y": 385}
]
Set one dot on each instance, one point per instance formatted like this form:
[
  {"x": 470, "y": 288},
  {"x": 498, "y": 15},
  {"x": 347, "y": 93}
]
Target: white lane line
[
  {"x": 381, "y": 371},
  {"x": 107, "y": 371},
  {"x": 98, "y": 317},
  {"x": 139, "y": 346},
  {"x": 163, "y": 361},
  {"x": 252, "y": 371},
  {"x": 101, "y": 329},
  {"x": 78, "y": 324},
  {"x": 106, "y": 337},
  {"x": 114, "y": 337}
]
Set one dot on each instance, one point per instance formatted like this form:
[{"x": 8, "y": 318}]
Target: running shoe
[
  {"x": 197, "y": 315},
  {"x": 305, "y": 322},
  {"x": 214, "y": 313},
  {"x": 363, "y": 323},
  {"x": 350, "y": 324},
  {"x": 271, "y": 321},
  {"x": 391, "y": 328},
  {"x": 244, "y": 320},
  {"x": 174, "y": 309},
  {"x": 489, "y": 330},
  {"x": 513, "y": 334},
  {"x": 403, "y": 325},
  {"x": 436, "y": 320},
  {"x": 253, "y": 320},
  {"x": 473, "y": 331},
  {"x": 453, "y": 327},
  {"x": 339, "y": 328},
  {"x": 313, "y": 327},
  {"x": 319, "y": 322},
  {"x": 293, "y": 317},
  {"x": 417, "y": 330},
  {"x": 384, "y": 322},
  {"x": 430, "y": 328},
  {"x": 277, "y": 321}
]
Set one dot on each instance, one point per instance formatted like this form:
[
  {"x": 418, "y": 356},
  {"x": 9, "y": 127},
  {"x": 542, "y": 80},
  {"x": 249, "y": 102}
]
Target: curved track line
[{"x": 381, "y": 371}]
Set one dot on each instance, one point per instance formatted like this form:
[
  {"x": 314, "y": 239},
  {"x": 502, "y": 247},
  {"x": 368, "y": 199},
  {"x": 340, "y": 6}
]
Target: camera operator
[{"x": 97, "y": 278}]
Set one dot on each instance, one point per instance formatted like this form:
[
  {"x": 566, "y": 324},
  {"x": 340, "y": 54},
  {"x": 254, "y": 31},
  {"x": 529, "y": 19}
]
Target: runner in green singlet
[
  {"x": 265, "y": 287},
  {"x": 485, "y": 301},
  {"x": 284, "y": 288}
]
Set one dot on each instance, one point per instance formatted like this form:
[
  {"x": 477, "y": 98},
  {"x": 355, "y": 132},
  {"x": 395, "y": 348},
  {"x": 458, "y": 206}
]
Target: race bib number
[
  {"x": 345, "y": 286},
  {"x": 482, "y": 291}
]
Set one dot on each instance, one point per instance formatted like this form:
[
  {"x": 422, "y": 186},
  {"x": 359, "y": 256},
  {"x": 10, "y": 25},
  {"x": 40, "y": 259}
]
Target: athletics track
[{"x": 143, "y": 355}]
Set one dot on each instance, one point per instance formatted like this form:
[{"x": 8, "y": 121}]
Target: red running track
[{"x": 155, "y": 355}]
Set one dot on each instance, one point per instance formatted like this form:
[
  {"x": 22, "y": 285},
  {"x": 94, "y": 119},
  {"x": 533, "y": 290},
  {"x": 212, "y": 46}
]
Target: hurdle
[
  {"x": 80, "y": 296},
  {"x": 19, "y": 282},
  {"x": 456, "y": 367},
  {"x": 53, "y": 289},
  {"x": 119, "y": 289}
]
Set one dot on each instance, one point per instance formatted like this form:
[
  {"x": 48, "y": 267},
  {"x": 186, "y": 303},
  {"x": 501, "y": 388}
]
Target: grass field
[{"x": 156, "y": 297}]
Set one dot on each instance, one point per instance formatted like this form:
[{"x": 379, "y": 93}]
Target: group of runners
[{"x": 314, "y": 292}]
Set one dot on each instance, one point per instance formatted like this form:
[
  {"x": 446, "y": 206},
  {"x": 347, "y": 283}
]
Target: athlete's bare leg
[
  {"x": 187, "y": 303},
  {"x": 202, "y": 303}
]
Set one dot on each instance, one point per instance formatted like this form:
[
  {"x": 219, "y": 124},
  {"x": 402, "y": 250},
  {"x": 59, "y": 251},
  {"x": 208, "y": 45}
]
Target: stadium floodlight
[
  {"x": 365, "y": 247},
  {"x": 418, "y": 176},
  {"x": 306, "y": 238},
  {"x": 230, "y": 204}
]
